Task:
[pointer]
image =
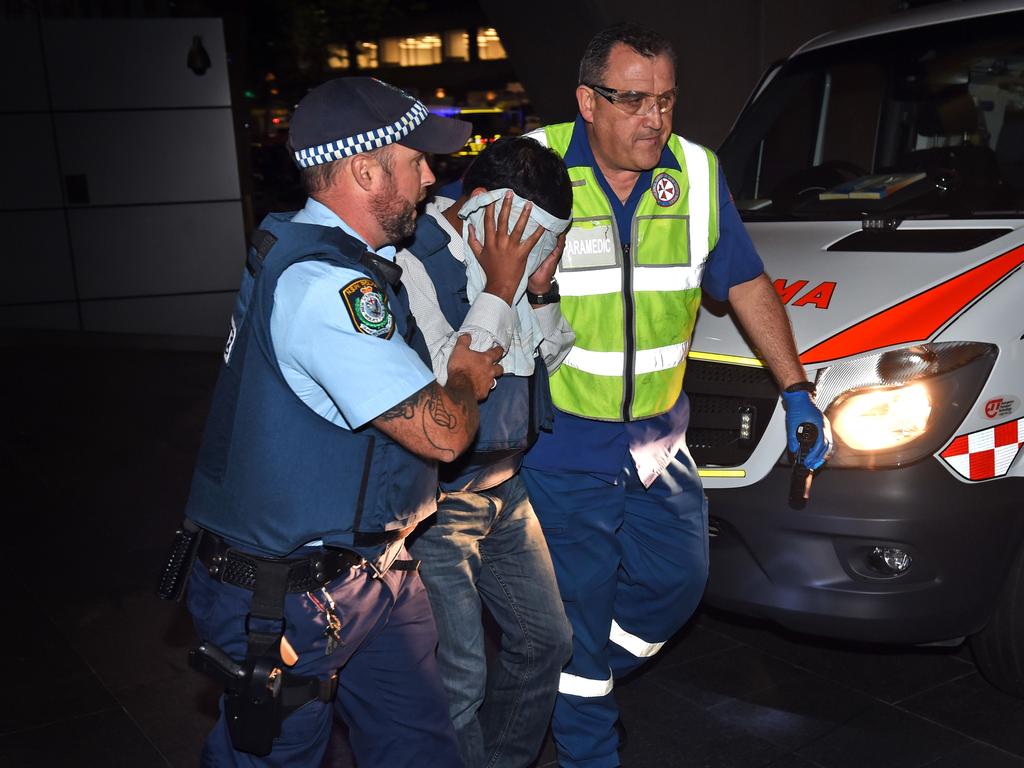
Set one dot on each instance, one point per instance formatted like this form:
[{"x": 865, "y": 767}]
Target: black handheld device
[
  {"x": 800, "y": 482},
  {"x": 179, "y": 562}
]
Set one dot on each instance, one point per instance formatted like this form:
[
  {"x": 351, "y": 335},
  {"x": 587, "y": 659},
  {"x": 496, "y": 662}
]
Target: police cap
[{"x": 349, "y": 115}]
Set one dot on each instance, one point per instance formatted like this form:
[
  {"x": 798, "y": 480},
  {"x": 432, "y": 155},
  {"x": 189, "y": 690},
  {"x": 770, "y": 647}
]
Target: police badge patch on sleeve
[{"x": 368, "y": 307}]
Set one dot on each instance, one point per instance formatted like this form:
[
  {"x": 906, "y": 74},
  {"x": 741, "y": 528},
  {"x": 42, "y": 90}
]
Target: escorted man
[
  {"x": 485, "y": 546},
  {"x": 613, "y": 484},
  {"x": 320, "y": 455}
]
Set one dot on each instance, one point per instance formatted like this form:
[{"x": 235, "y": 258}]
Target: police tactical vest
[
  {"x": 518, "y": 405},
  {"x": 272, "y": 474},
  {"x": 633, "y": 308}
]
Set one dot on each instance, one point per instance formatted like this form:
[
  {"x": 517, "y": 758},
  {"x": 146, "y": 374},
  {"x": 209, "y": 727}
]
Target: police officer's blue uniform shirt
[
  {"x": 346, "y": 375},
  {"x": 600, "y": 447}
]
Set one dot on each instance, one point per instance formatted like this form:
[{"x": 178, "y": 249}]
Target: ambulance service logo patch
[
  {"x": 665, "y": 190},
  {"x": 1000, "y": 407},
  {"x": 368, "y": 307}
]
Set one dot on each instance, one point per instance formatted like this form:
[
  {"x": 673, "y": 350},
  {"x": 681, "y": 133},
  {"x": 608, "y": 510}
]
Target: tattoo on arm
[
  {"x": 437, "y": 411},
  {"x": 403, "y": 410},
  {"x": 442, "y": 413}
]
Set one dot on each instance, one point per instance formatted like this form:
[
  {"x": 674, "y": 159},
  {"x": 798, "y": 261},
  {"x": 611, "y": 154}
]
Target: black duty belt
[{"x": 305, "y": 573}]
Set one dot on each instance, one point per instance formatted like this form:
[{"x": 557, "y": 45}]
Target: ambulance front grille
[{"x": 730, "y": 407}]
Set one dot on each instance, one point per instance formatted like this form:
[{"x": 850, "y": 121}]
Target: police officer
[
  {"x": 613, "y": 484},
  {"x": 320, "y": 455}
]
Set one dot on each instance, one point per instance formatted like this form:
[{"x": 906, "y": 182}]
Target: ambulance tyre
[{"x": 999, "y": 647}]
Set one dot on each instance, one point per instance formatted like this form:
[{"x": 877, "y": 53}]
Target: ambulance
[{"x": 880, "y": 172}]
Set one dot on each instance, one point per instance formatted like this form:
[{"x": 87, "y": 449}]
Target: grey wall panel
[
  {"x": 151, "y": 157},
  {"x": 50, "y": 317},
  {"x": 24, "y": 78},
  {"x": 156, "y": 51},
  {"x": 30, "y": 171},
  {"x": 158, "y": 249},
  {"x": 206, "y": 315},
  {"x": 35, "y": 260}
]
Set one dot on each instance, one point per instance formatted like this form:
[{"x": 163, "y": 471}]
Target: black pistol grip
[
  {"x": 213, "y": 662},
  {"x": 800, "y": 481}
]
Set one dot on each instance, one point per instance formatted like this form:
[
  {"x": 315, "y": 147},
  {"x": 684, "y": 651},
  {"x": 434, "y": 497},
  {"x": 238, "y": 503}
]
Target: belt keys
[{"x": 332, "y": 624}]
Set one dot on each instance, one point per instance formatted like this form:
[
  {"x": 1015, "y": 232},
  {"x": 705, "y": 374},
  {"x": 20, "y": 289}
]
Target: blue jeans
[
  {"x": 389, "y": 691},
  {"x": 487, "y": 547}
]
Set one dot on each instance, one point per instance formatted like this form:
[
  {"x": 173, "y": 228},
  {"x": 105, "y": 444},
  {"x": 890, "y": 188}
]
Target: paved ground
[{"x": 97, "y": 447}]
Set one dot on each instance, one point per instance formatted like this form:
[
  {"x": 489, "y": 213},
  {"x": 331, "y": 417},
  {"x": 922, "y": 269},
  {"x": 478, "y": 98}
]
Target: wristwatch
[{"x": 540, "y": 299}]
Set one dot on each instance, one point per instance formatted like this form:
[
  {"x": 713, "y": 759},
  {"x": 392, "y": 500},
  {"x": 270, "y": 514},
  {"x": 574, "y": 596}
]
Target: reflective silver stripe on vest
[
  {"x": 611, "y": 363},
  {"x": 592, "y": 282},
  {"x": 698, "y": 169},
  {"x": 584, "y": 686},
  {"x": 635, "y": 645}
]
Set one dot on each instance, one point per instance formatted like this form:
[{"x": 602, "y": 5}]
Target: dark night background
[{"x": 129, "y": 184}]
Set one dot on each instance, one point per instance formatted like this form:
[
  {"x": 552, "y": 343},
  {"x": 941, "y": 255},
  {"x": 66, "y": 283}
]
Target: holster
[
  {"x": 253, "y": 708},
  {"x": 259, "y": 692}
]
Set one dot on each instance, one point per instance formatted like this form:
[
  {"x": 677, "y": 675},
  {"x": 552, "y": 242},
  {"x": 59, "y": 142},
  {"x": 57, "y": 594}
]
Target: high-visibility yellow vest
[{"x": 633, "y": 309}]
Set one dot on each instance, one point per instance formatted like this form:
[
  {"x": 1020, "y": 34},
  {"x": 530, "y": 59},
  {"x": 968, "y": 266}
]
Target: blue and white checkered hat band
[{"x": 364, "y": 142}]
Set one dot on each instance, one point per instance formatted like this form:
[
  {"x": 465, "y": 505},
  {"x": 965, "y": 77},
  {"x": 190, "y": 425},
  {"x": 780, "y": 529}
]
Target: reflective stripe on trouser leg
[
  {"x": 664, "y": 568},
  {"x": 635, "y": 645},
  {"x": 585, "y": 687},
  {"x": 580, "y": 515}
]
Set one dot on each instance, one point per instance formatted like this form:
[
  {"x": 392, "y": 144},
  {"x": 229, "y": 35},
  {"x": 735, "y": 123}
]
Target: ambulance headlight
[
  {"x": 896, "y": 407},
  {"x": 875, "y": 420}
]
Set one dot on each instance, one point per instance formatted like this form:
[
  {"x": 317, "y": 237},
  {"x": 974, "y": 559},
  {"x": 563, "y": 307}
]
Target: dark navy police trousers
[{"x": 389, "y": 690}]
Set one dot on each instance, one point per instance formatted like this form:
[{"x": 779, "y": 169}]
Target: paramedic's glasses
[{"x": 637, "y": 102}]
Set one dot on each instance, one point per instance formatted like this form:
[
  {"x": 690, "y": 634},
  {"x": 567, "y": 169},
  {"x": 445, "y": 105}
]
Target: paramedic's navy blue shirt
[{"x": 600, "y": 447}]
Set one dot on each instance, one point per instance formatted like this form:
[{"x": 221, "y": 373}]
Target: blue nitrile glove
[{"x": 800, "y": 407}]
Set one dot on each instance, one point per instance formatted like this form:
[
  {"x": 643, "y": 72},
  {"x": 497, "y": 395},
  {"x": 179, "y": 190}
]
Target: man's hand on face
[
  {"x": 540, "y": 280},
  {"x": 503, "y": 254},
  {"x": 480, "y": 370}
]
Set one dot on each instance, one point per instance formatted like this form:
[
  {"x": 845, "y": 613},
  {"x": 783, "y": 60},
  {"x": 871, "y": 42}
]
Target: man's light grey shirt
[{"x": 490, "y": 320}]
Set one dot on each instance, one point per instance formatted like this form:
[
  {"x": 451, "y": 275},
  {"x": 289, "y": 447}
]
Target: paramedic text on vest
[
  {"x": 320, "y": 454},
  {"x": 613, "y": 484}
]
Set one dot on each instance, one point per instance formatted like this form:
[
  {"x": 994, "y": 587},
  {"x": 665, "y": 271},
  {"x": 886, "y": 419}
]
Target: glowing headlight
[
  {"x": 876, "y": 420},
  {"x": 892, "y": 408}
]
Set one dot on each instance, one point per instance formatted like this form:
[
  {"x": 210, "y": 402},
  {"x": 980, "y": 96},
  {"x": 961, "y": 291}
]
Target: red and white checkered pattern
[{"x": 987, "y": 453}]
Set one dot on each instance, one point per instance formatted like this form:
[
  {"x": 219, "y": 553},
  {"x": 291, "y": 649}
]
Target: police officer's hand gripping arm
[
  {"x": 763, "y": 317},
  {"x": 438, "y": 422}
]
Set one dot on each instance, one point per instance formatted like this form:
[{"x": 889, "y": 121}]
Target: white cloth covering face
[{"x": 527, "y": 334}]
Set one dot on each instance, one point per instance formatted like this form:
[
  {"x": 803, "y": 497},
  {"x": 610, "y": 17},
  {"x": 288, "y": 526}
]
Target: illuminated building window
[
  {"x": 411, "y": 51},
  {"x": 456, "y": 45},
  {"x": 366, "y": 55},
  {"x": 337, "y": 57},
  {"x": 489, "y": 44}
]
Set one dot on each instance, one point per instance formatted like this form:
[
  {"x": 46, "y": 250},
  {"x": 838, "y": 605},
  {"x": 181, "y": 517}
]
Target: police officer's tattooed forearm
[
  {"x": 403, "y": 410},
  {"x": 437, "y": 411},
  {"x": 436, "y": 422}
]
